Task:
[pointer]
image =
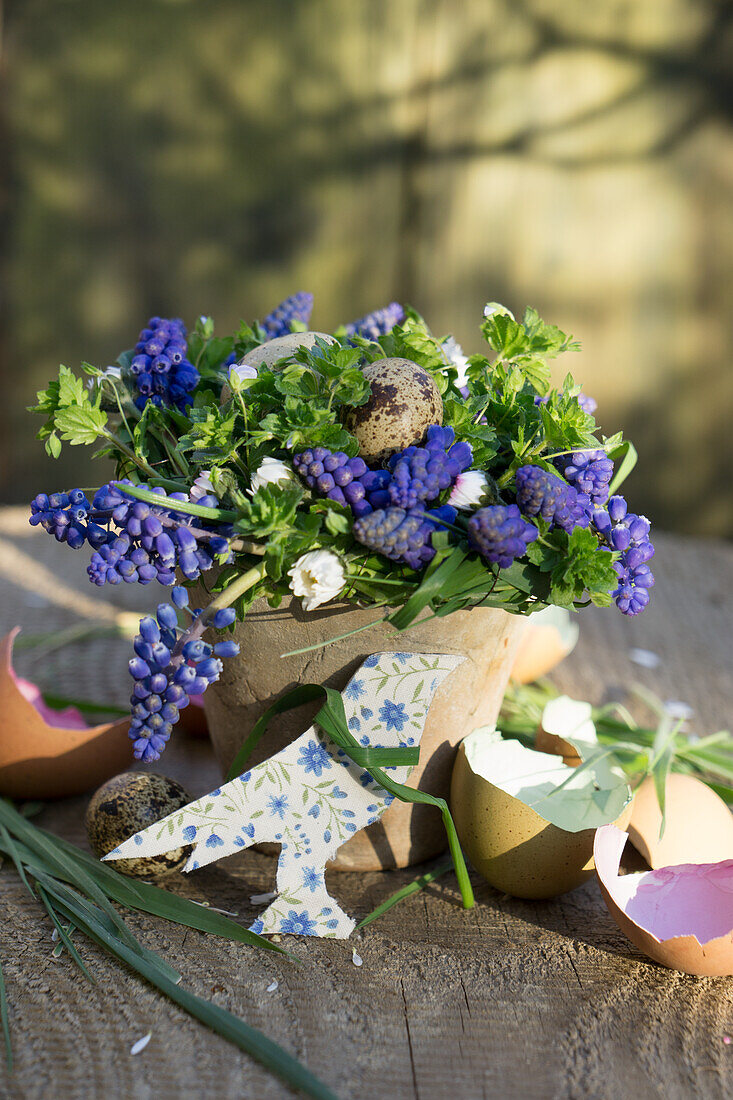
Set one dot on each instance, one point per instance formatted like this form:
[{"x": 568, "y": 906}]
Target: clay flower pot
[{"x": 470, "y": 697}]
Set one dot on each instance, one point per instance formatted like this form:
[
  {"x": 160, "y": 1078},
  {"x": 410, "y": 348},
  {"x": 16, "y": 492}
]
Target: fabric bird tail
[{"x": 211, "y": 834}]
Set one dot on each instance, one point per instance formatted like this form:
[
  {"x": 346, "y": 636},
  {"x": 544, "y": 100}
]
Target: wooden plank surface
[{"x": 513, "y": 999}]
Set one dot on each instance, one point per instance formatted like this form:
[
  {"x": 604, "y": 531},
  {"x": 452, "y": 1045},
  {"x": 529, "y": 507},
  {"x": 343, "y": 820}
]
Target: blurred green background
[{"x": 179, "y": 157}]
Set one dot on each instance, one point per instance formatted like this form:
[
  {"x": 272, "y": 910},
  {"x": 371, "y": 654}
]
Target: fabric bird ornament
[{"x": 310, "y": 797}]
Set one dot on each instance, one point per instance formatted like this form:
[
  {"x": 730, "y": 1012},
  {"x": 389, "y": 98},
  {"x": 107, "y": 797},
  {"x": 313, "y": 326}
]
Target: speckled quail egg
[
  {"x": 128, "y": 803},
  {"x": 404, "y": 402},
  {"x": 269, "y": 353}
]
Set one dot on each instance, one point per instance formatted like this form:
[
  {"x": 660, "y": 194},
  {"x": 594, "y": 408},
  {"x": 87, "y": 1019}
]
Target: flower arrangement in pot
[{"x": 310, "y": 499}]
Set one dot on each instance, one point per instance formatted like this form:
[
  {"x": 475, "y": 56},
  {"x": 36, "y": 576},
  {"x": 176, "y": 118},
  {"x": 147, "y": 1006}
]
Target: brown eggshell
[
  {"x": 269, "y": 353},
  {"x": 404, "y": 402},
  {"x": 41, "y": 761},
  {"x": 515, "y": 849},
  {"x": 557, "y": 746},
  {"x": 125, "y": 805},
  {"x": 698, "y": 826},
  {"x": 547, "y": 640},
  {"x": 682, "y": 916}
]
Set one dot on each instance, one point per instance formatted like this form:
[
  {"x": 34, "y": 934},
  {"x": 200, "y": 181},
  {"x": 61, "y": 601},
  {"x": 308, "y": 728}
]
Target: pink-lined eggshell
[{"x": 681, "y": 916}]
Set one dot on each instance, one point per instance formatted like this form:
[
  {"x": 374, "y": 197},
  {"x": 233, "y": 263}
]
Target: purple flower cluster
[
  {"x": 333, "y": 474},
  {"x": 628, "y": 534},
  {"x": 415, "y": 475},
  {"x": 589, "y": 472},
  {"x": 402, "y": 535},
  {"x": 160, "y": 370},
  {"x": 298, "y": 307},
  {"x": 66, "y": 517},
  {"x": 423, "y": 473},
  {"x": 500, "y": 534},
  {"x": 133, "y": 541},
  {"x": 540, "y": 493},
  {"x": 378, "y": 323},
  {"x": 169, "y": 666}
]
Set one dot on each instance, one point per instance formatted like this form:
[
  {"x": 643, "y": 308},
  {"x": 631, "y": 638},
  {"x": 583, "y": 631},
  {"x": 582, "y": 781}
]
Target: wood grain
[{"x": 512, "y": 999}]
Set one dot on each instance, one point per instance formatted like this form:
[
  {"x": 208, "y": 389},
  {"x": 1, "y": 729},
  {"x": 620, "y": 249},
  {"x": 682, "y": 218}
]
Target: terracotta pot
[{"x": 470, "y": 697}]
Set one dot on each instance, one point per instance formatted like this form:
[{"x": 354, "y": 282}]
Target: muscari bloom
[
  {"x": 378, "y": 323},
  {"x": 500, "y": 533}
]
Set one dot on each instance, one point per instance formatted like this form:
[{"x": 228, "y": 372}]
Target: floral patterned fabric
[{"x": 310, "y": 797}]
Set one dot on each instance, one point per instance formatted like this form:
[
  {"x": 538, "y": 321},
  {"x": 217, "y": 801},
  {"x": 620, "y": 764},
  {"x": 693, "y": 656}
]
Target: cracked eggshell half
[
  {"x": 47, "y": 753},
  {"x": 681, "y": 916},
  {"x": 525, "y": 819}
]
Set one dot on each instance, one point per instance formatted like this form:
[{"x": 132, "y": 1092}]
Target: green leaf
[
  {"x": 584, "y": 567},
  {"x": 81, "y": 424},
  {"x": 626, "y": 452}
]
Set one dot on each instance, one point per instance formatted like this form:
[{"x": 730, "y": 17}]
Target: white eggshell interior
[{"x": 571, "y": 798}]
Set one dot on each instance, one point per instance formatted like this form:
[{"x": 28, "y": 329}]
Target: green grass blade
[
  {"x": 162, "y": 903},
  {"x": 80, "y": 910},
  {"x": 63, "y": 936},
  {"x": 230, "y": 1027},
  {"x": 5, "y": 1022},
  {"x": 407, "y": 891},
  {"x": 60, "y": 861},
  {"x": 12, "y": 851}
]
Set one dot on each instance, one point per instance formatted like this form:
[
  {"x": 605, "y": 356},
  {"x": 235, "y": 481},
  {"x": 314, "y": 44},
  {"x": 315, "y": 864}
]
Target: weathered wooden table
[{"x": 512, "y": 999}]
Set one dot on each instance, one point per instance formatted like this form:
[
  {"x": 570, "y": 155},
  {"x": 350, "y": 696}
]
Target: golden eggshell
[
  {"x": 698, "y": 826},
  {"x": 128, "y": 803},
  {"x": 404, "y": 402},
  {"x": 515, "y": 849}
]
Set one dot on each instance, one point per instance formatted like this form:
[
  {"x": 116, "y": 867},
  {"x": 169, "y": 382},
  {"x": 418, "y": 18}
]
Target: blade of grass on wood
[
  {"x": 249, "y": 1039},
  {"x": 162, "y": 903},
  {"x": 63, "y": 935},
  {"x": 407, "y": 891},
  {"x": 60, "y": 861},
  {"x": 80, "y": 910}
]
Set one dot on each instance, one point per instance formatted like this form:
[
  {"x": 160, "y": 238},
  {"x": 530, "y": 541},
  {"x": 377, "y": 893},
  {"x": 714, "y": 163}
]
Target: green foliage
[
  {"x": 302, "y": 402},
  {"x": 413, "y": 340},
  {"x": 73, "y": 415},
  {"x": 527, "y": 345},
  {"x": 581, "y": 565},
  {"x": 464, "y": 415}
]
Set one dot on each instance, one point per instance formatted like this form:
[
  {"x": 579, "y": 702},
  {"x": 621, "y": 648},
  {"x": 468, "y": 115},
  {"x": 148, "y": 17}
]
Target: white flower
[
  {"x": 271, "y": 471},
  {"x": 202, "y": 486},
  {"x": 468, "y": 490},
  {"x": 496, "y": 307},
  {"x": 318, "y": 577},
  {"x": 454, "y": 354},
  {"x": 112, "y": 372},
  {"x": 240, "y": 372}
]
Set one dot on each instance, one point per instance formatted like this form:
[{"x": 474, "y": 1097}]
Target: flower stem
[{"x": 188, "y": 507}]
